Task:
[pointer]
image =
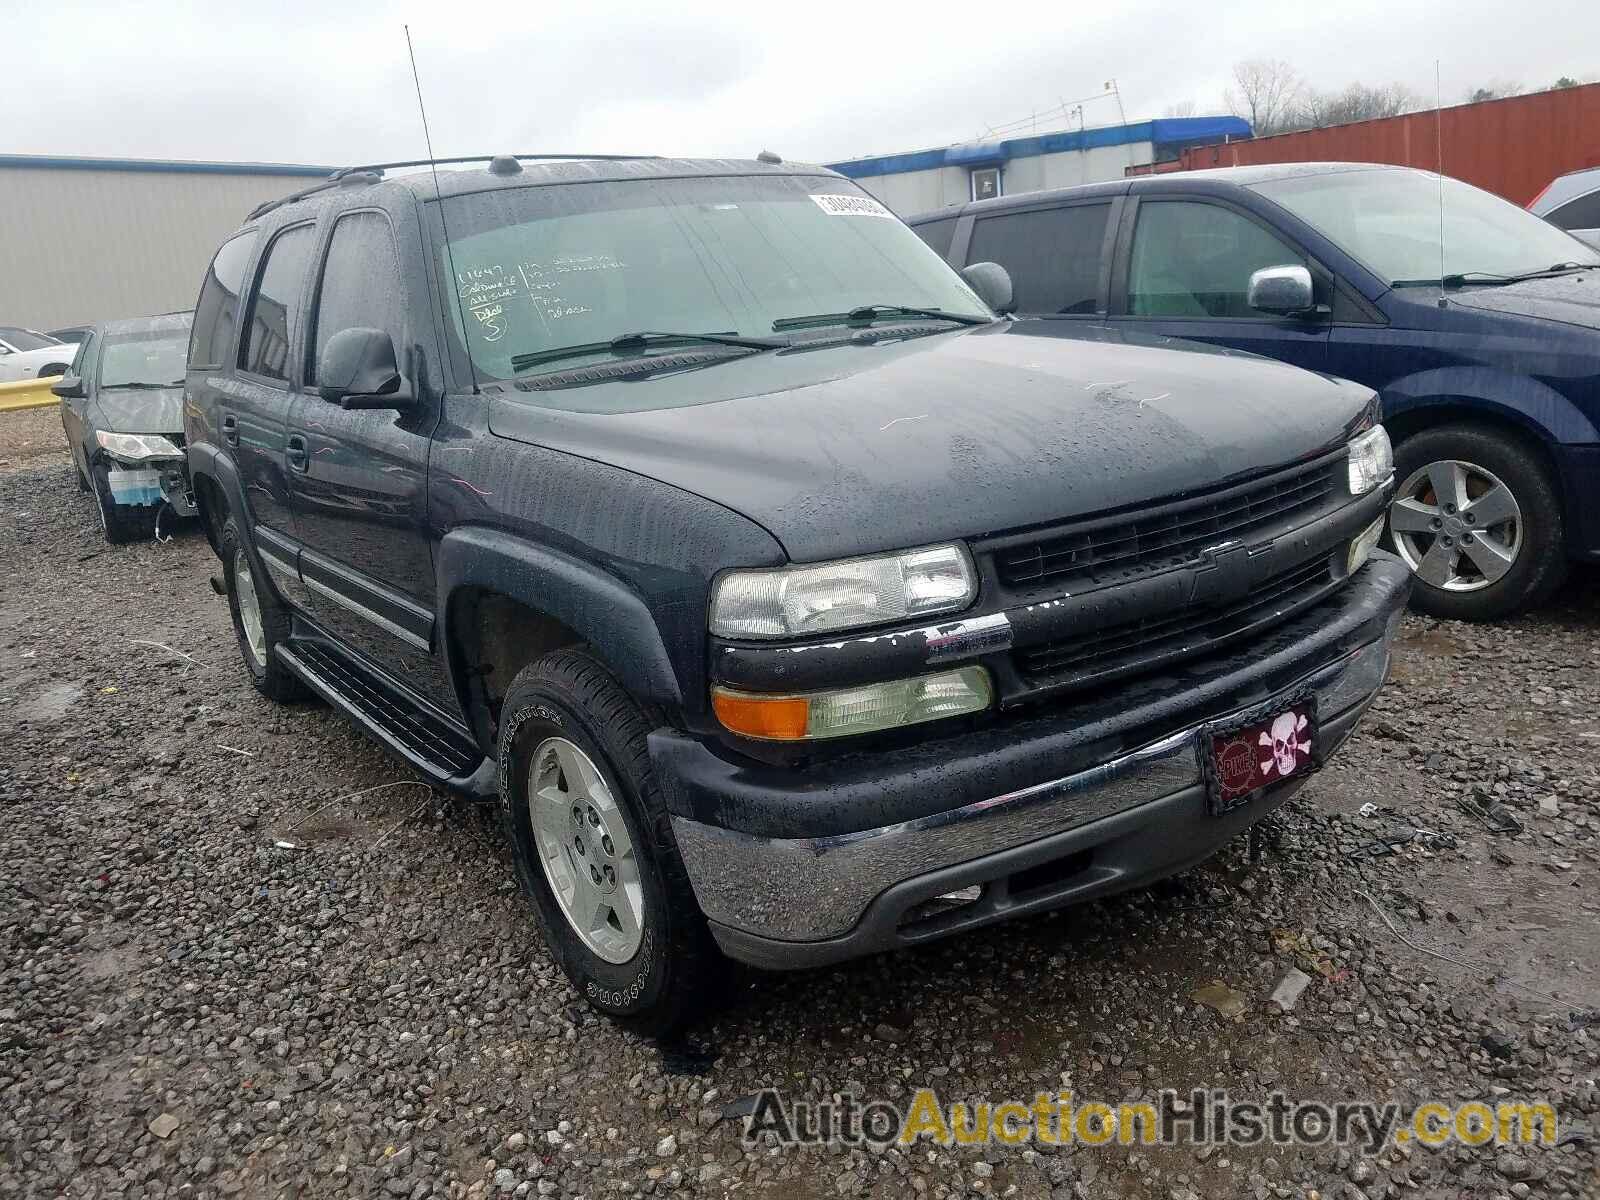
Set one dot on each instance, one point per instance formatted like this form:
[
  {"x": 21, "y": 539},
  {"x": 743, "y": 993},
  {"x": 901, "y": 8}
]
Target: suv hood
[
  {"x": 1571, "y": 299},
  {"x": 139, "y": 410},
  {"x": 883, "y": 444}
]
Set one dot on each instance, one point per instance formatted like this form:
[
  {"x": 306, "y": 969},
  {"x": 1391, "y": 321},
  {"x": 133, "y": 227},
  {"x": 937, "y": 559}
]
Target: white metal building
[
  {"x": 89, "y": 239},
  {"x": 921, "y": 180}
]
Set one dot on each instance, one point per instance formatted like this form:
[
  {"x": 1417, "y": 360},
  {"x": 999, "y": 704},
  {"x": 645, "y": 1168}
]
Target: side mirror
[
  {"x": 992, "y": 282},
  {"x": 1283, "y": 291},
  {"x": 358, "y": 369},
  {"x": 69, "y": 387}
]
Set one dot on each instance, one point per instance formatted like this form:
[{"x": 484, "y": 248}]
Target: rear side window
[
  {"x": 360, "y": 283},
  {"x": 216, "y": 313},
  {"x": 938, "y": 234},
  {"x": 1053, "y": 256},
  {"x": 1582, "y": 213},
  {"x": 275, "y": 305}
]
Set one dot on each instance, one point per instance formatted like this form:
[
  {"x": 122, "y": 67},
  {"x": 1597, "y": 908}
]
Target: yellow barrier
[{"x": 27, "y": 393}]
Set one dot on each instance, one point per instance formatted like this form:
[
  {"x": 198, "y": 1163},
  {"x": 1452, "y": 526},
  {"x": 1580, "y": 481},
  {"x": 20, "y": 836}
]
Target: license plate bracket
[{"x": 1250, "y": 752}]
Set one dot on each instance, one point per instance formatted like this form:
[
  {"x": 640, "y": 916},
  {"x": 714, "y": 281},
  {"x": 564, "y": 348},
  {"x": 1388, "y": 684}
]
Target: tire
[
  {"x": 1426, "y": 528},
  {"x": 121, "y": 523},
  {"x": 52, "y": 369},
  {"x": 270, "y": 677},
  {"x": 570, "y": 701}
]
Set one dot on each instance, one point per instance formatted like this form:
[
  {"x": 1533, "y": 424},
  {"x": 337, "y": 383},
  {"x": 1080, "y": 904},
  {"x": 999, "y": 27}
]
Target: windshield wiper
[
  {"x": 1462, "y": 278},
  {"x": 141, "y": 385},
  {"x": 871, "y": 312},
  {"x": 643, "y": 341}
]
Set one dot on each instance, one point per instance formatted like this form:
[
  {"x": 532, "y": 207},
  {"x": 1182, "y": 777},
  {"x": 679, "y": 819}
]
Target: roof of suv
[
  {"x": 1168, "y": 181},
  {"x": 533, "y": 173}
]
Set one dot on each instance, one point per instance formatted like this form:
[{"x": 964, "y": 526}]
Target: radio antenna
[
  {"x": 1438, "y": 136},
  {"x": 438, "y": 195}
]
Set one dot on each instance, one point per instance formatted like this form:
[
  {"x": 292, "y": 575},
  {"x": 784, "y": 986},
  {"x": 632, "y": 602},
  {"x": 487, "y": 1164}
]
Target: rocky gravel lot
[{"x": 188, "y": 1010}]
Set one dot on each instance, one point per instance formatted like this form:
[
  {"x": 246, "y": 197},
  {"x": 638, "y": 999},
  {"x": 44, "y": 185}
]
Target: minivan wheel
[
  {"x": 592, "y": 843},
  {"x": 1477, "y": 520},
  {"x": 259, "y": 621}
]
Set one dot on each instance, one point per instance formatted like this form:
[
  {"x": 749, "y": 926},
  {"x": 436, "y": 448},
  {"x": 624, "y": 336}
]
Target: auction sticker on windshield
[{"x": 851, "y": 206}]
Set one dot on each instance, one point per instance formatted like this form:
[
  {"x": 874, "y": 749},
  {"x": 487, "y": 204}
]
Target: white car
[{"x": 26, "y": 354}]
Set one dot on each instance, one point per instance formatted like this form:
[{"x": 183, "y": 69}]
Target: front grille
[
  {"x": 1171, "y": 536},
  {"x": 1143, "y": 644}
]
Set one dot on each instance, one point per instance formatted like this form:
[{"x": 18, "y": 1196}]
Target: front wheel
[
  {"x": 1477, "y": 519},
  {"x": 593, "y": 847}
]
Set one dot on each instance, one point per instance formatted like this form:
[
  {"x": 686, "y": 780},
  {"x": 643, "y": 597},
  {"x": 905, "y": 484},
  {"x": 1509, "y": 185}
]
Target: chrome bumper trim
[{"x": 807, "y": 889}]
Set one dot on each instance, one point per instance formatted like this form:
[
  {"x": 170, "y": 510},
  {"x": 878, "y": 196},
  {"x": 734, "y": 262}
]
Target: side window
[
  {"x": 216, "y": 313},
  {"x": 1052, "y": 255},
  {"x": 360, "y": 285},
  {"x": 83, "y": 359},
  {"x": 1195, "y": 260},
  {"x": 1582, "y": 213},
  {"x": 275, "y": 304},
  {"x": 938, "y": 234}
]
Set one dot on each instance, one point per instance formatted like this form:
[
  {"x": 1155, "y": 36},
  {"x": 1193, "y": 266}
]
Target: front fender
[
  {"x": 595, "y": 605},
  {"x": 1520, "y": 399}
]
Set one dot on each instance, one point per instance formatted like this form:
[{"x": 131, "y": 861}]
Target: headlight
[
  {"x": 851, "y": 593},
  {"x": 1371, "y": 460},
  {"x": 137, "y": 445},
  {"x": 1361, "y": 547},
  {"x": 863, "y": 709}
]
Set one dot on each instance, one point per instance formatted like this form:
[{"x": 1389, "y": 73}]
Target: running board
[{"x": 438, "y": 748}]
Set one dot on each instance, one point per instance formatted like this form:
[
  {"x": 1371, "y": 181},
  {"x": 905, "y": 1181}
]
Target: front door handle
[
  {"x": 230, "y": 430},
  {"x": 295, "y": 453}
]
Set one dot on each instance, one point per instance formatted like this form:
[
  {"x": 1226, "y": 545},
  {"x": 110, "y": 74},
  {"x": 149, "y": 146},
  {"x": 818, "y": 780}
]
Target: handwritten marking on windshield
[
  {"x": 1115, "y": 383},
  {"x": 897, "y": 420},
  {"x": 1153, "y": 399}
]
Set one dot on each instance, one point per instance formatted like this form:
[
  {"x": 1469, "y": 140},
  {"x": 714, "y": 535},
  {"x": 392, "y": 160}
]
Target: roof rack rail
[
  {"x": 472, "y": 158},
  {"x": 345, "y": 173}
]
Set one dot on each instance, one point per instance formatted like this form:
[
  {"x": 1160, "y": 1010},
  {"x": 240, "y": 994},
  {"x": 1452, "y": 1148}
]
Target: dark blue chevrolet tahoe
[
  {"x": 791, "y": 604},
  {"x": 1486, "y": 356}
]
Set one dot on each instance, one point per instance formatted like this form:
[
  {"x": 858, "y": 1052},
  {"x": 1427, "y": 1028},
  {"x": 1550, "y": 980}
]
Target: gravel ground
[{"x": 187, "y": 1010}]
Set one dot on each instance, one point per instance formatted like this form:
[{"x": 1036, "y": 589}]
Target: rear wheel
[
  {"x": 259, "y": 621},
  {"x": 1477, "y": 520},
  {"x": 593, "y": 846}
]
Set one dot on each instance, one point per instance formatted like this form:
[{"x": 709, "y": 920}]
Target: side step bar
[{"x": 440, "y": 749}]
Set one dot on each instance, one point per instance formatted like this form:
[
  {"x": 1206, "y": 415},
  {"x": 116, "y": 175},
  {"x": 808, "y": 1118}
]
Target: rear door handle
[
  {"x": 230, "y": 430},
  {"x": 295, "y": 453}
]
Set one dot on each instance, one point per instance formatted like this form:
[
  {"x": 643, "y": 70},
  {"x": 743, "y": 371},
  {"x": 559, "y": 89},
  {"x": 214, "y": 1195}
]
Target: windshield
[
  {"x": 544, "y": 268},
  {"x": 149, "y": 358},
  {"x": 1389, "y": 220},
  {"x": 26, "y": 339}
]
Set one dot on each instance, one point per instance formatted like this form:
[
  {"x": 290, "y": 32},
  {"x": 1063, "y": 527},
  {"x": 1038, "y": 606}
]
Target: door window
[
  {"x": 1582, "y": 213},
  {"x": 360, "y": 283},
  {"x": 1053, "y": 255},
  {"x": 938, "y": 234},
  {"x": 216, "y": 313},
  {"x": 275, "y": 305},
  {"x": 1195, "y": 260}
]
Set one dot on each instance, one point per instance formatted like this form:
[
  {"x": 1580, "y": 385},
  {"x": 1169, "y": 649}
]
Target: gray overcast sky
[{"x": 328, "y": 82}]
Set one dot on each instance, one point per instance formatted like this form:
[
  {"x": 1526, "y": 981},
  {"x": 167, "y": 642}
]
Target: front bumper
[{"x": 1039, "y": 812}]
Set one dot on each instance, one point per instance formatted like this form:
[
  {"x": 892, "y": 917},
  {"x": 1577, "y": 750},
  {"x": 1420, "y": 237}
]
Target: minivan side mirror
[
  {"x": 358, "y": 369},
  {"x": 992, "y": 282},
  {"x": 1282, "y": 291},
  {"x": 69, "y": 387}
]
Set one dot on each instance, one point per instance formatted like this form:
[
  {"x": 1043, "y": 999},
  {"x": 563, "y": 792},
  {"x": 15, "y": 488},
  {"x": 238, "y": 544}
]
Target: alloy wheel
[
  {"x": 244, "y": 587},
  {"x": 585, "y": 849},
  {"x": 1456, "y": 525}
]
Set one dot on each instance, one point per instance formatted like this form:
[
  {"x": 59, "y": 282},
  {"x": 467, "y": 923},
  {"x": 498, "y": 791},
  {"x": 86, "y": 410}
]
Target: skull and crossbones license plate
[{"x": 1243, "y": 759}]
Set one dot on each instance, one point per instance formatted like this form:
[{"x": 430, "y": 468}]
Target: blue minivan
[{"x": 1477, "y": 323}]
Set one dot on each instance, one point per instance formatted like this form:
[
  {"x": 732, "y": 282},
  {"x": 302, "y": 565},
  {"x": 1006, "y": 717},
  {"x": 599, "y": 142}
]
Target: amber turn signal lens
[{"x": 775, "y": 718}]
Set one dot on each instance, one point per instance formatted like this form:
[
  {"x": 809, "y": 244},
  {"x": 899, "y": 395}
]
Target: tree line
[{"x": 1274, "y": 98}]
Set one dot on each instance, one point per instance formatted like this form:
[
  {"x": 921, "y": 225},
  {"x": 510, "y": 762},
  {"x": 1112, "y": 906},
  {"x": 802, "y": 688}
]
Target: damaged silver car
[{"x": 122, "y": 412}]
